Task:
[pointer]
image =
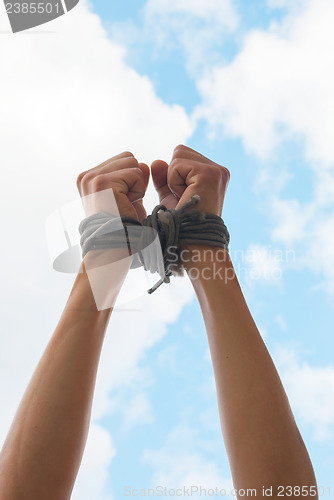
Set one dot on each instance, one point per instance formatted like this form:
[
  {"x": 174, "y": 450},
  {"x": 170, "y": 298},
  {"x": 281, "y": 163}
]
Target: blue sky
[
  {"x": 248, "y": 84},
  {"x": 307, "y": 312}
]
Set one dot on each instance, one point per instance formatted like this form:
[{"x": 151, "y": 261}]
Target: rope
[{"x": 175, "y": 228}]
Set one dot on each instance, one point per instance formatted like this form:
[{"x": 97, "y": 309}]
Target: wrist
[
  {"x": 205, "y": 264},
  {"x": 100, "y": 279},
  {"x": 213, "y": 277}
]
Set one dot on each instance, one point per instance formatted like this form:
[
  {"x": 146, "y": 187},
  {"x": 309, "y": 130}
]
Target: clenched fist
[
  {"x": 126, "y": 177},
  {"x": 187, "y": 174}
]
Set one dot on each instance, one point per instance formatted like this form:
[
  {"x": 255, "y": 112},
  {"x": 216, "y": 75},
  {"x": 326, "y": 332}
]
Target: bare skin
[
  {"x": 44, "y": 447},
  {"x": 262, "y": 440},
  {"x": 43, "y": 450}
]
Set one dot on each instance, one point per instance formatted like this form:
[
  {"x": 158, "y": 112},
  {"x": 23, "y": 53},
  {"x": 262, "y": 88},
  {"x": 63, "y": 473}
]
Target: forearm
[
  {"x": 262, "y": 440},
  {"x": 44, "y": 447}
]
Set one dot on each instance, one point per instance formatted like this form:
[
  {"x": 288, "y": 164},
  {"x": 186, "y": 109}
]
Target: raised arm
[
  {"x": 263, "y": 443},
  {"x": 43, "y": 450}
]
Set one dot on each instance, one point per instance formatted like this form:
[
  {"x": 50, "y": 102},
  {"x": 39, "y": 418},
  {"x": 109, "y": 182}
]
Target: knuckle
[
  {"x": 85, "y": 180},
  {"x": 127, "y": 162},
  {"x": 179, "y": 152},
  {"x": 132, "y": 162},
  {"x": 127, "y": 154},
  {"x": 98, "y": 182},
  {"x": 227, "y": 173},
  {"x": 169, "y": 176},
  {"x": 219, "y": 174},
  {"x": 138, "y": 171},
  {"x": 176, "y": 162},
  {"x": 79, "y": 178},
  {"x": 139, "y": 179},
  {"x": 212, "y": 174},
  {"x": 216, "y": 173},
  {"x": 179, "y": 147}
]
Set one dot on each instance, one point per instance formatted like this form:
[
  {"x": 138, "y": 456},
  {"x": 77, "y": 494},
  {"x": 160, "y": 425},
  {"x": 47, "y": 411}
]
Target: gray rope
[{"x": 175, "y": 228}]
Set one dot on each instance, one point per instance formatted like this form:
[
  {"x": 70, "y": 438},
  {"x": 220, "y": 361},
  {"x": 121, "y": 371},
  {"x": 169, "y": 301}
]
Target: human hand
[
  {"x": 126, "y": 177},
  {"x": 117, "y": 186},
  {"x": 190, "y": 173}
]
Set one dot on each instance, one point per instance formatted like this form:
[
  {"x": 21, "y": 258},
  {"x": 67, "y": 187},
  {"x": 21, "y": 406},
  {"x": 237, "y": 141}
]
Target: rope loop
[{"x": 174, "y": 228}]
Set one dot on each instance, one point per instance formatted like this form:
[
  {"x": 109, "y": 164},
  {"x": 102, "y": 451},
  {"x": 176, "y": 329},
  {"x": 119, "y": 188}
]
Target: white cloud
[
  {"x": 72, "y": 102},
  {"x": 135, "y": 410},
  {"x": 292, "y": 220},
  {"x": 93, "y": 473},
  {"x": 278, "y": 89},
  {"x": 279, "y": 86},
  {"x": 215, "y": 11},
  {"x": 191, "y": 33},
  {"x": 198, "y": 27},
  {"x": 139, "y": 410},
  {"x": 306, "y": 231},
  {"x": 180, "y": 463},
  {"x": 261, "y": 263},
  {"x": 289, "y": 4},
  {"x": 310, "y": 391},
  {"x": 270, "y": 180},
  {"x": 320, "y": 255},
  {"x": 324, "y": 189}
]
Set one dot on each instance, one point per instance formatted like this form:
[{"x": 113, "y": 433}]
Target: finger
[
  {"x": 115, "y": 192},
  {"x": 159, "y": 169},
  {"x": 84, "y": 181},
  {"x": 192, "y": 190},
  {"x": 182, "y": 151},
  {"x": 182, "y": 173},
  {"x": 105, "y": 166},
  {"x": 130, "y": 183},
  {"x": 181, "y": 180},
  {"x": 119, "y": 164},
  {"x": 125, "y": 154},
  {"x": 187, "y": 178},
  {"x": 138, "y": 205}
]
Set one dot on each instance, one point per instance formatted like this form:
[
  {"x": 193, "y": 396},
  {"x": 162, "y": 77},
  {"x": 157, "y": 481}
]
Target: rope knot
[{"x": 174, "y": 227}]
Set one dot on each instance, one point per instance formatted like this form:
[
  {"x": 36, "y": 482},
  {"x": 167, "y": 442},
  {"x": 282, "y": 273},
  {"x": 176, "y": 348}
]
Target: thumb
[{"x": 159, "y": 169}]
